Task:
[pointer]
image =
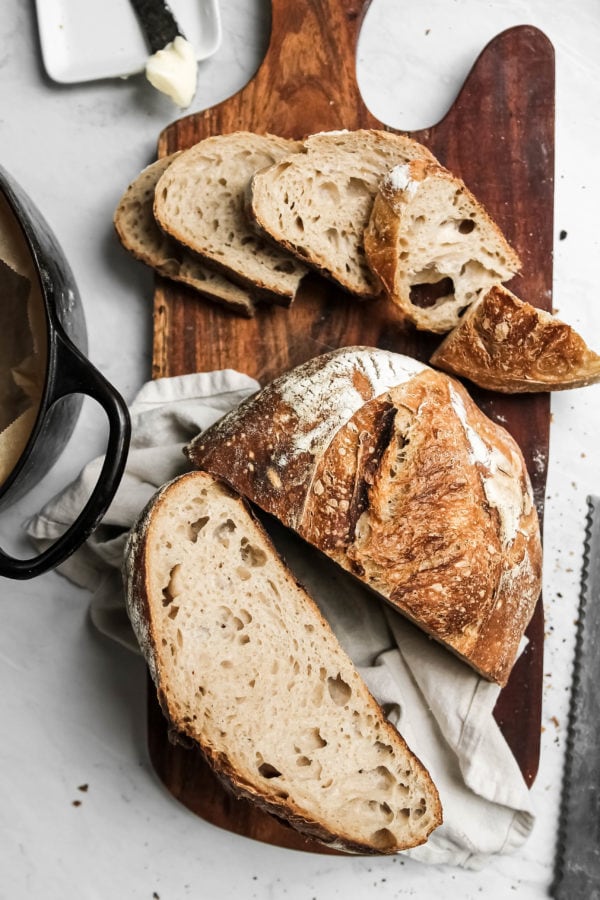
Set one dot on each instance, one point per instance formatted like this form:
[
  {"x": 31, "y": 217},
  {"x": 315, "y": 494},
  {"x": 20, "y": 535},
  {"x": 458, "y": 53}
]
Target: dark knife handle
[{"x": 157, "y": 22}]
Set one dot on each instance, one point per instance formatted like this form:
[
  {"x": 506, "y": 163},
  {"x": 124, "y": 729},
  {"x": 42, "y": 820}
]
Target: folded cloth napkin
[{"x": 442, "y": 708}]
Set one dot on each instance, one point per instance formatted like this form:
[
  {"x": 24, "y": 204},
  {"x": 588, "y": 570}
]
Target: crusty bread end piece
[
  {"x": 246, "y": 667},
  {"x": 139, "y": 233},
  {"x": 317, "y": 203},
  {"x": 434, "y": 246},
  {"x": 504, "y": 344},
  {"x": 200, "y": 201}
]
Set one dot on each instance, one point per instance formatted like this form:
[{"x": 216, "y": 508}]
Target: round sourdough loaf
[{"x": 390, "y": 469}]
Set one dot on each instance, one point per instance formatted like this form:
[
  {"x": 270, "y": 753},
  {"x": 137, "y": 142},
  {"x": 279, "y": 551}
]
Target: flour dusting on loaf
[
  {"x": 330, "y": 398},
  {"x": 398, "y": 179},
  {"x": 501, "y": 482},
  {"x": 274, "y": 440}
]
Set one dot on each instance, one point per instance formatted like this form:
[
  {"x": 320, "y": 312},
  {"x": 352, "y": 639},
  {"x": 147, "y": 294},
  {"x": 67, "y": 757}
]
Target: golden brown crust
[
  {"x": 380, "y": 240},
  {"x": 504, "y": 344},
  {"x": 417, "y": 493},
  {"x": 272, "y": 443},
  {"x": 423, "y": 532}
]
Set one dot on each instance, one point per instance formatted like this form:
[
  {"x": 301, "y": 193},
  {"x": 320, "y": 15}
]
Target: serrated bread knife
[{"x": 577, "y": 874}]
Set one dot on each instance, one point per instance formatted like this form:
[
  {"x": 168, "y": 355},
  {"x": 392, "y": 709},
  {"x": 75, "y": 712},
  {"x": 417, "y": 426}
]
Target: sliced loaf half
[
  {"x": 246, "y": 666},
  {"x": 200, "y": 201},
  {"x": 434, "y": 246},
  {"x": 139, "y": 233},
  {"x": 504, "y": 344},
  {"x": 317, "y": 203}
]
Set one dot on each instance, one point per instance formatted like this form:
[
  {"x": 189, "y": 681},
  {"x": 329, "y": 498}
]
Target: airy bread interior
[
  {"x": 246, "y": 666},
  {"x": 200, "y": 201},
  {"x": 139, "y": 233},
  {"x": 317, "y": 203},
  {"x": 433, "y": 245}
]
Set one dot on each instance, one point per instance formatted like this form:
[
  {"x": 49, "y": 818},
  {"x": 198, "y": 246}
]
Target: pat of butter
[{"x": 173, "y": 70}]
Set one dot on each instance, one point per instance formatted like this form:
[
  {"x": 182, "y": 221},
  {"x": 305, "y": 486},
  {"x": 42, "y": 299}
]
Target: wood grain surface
[{"x": 499, "y": 137}]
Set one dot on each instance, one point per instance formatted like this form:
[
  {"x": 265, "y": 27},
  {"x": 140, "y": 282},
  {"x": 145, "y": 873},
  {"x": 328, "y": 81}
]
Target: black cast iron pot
[{"x": 69, "y": 376}]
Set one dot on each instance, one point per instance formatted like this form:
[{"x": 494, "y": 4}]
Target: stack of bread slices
[{"x": 242, "y": 217}]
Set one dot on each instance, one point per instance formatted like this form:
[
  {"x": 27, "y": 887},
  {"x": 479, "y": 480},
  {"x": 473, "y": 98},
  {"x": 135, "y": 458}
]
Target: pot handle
[{"x": 76, "y": 375}]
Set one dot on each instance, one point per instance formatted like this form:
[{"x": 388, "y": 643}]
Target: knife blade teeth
[{"x": 567, "y": 882}]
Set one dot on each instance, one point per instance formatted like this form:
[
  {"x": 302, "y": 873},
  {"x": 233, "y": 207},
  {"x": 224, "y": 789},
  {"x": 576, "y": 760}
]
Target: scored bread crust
[
  {"x": 185, "y": 588},
  {"x": 140, "y": 234},
  {"x": 316, "y": 203},
  {"x": 505, "y": 344},
  {"x": 200, "y": 201},
  {"x": 391, "y": 470},
  {"x": 274, "y": 440},
  {"x": 433, "y": 245}
]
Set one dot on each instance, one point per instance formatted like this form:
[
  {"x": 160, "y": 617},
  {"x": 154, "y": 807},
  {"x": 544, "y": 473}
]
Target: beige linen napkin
[{"x": 442, "y": 708}]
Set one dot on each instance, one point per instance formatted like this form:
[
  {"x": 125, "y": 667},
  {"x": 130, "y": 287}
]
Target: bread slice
[
  {"x": 434, "y": 246},
  {"x": 245, "y": 666},
  {"x": 139, "y": 233},
  {"x": 317, "y": 203},
  {"x": 390, "y": 469},
  {"x": 504, "y": 344},
  {"x": 200, "y": 201}
]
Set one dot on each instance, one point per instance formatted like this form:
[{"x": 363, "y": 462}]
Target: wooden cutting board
[{"x": 499, "y": 137}]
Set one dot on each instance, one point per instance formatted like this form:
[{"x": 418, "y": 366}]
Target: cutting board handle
[
  {"x": 311, "y": 65},
  {"x": 306, "y": 82}
]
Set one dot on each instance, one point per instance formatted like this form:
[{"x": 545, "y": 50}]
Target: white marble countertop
[{"x": 72, "y": 704}]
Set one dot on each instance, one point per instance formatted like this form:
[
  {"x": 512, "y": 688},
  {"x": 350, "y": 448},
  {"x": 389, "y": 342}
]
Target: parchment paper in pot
[{"x": 22, "y": 341}]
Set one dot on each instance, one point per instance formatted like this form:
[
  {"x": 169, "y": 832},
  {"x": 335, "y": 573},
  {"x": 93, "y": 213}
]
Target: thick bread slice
[
  {"x": 434, "y": 246},
  {"x": 139, "y": 233},
  {"x": 245, "y": 666},
  {"x": 391, "y": 470},
  {"x": 504, "y": 344},
  {"x": 200, "y": 201},
  {"x": 317, "y": 203}
]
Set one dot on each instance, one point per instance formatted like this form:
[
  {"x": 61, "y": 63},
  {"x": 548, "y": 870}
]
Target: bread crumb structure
[
  {"x": 317, "y": 202},
  {"x": 139, "y": 233},
  {"x": 246, "y": 666},
  {"x": 433, "y": 245},
  {"x": 200, "y": 201}
]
